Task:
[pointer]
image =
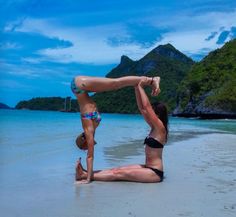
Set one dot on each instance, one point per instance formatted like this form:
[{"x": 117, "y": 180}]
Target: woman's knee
[
  {"x": 79, "y": 78},
  {"x": 119, "y": 173},
  {"x": 81, "y": 81}
]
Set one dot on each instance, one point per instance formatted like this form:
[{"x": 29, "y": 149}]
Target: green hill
[
  {"x": 49, "y": 103},
  {"x": 164, "y": 61},
  {"x": 209, "y": 90},
  {"x": 206, "y": 89}
]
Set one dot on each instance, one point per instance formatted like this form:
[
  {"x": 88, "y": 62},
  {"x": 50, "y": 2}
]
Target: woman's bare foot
[
  {"x": 79, "y": 172},
  {"x": 156, "y": 86}
]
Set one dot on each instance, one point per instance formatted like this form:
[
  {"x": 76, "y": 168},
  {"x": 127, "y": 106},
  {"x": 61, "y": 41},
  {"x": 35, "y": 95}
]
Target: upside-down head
[{"x": 81, "y": 142}]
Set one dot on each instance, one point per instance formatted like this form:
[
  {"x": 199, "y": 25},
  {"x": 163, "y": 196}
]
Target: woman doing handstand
[
  {"x": 90, "y": 117},
  {"x": 152, "y": 171}
]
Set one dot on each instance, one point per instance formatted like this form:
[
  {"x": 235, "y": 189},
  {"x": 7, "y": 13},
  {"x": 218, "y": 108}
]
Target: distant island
[
  {"x": 49, "y": 104},
  {"x": 206, "y": 89},
  {"x": 4, "y": 106}
]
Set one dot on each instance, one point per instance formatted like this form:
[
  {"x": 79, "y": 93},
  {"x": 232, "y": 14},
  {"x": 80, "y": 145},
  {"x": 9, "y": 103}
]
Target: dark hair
[{"x": 161, "y": 111}]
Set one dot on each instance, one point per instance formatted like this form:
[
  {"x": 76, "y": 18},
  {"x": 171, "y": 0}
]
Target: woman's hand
[{"x": 85, "y": 181}]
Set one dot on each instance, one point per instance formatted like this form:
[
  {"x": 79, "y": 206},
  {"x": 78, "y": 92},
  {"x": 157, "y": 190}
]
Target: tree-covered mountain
[
  {"x": 209, "y": 90},
  {"x": 164, "y": 61},
  {"x": 206, "y": 89},
  {"x": 49, "y": 103}
]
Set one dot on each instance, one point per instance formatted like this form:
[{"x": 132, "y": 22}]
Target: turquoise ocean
[{"x": 38, "y": 155}]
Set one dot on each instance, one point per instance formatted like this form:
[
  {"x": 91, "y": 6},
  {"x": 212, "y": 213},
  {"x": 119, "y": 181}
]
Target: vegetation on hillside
[
  {"x": 186, "y": 87},
  {"x": 48, "y": 103},
  {"x": 212, "y": 80},
  {"x": 164, "y": 61}
]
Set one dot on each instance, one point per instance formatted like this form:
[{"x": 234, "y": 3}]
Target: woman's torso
[
  {"x": 86, "y": 104},
  {"x": 154, "y": 155}
]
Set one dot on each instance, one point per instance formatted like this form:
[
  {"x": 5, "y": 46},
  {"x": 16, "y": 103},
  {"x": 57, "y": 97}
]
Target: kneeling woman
[{"x": 157, "y": 118}]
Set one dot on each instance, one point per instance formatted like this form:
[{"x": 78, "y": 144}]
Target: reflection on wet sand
[
  {"x": 124, "y": 152},
  {"x": 177, "y": 136}
]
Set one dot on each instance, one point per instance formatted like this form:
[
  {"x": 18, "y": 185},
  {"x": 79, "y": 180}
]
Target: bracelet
[{"x": 151, "y": 81}]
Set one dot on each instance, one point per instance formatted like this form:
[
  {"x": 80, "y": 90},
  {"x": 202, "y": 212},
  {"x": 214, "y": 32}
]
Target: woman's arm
[
  {"x": 89, "y": 134},
  {"x": 144, "y": 105}
]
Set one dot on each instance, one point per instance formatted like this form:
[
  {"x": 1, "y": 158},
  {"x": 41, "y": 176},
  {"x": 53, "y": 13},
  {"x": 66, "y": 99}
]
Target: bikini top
[{"x": 153, "y": 143}]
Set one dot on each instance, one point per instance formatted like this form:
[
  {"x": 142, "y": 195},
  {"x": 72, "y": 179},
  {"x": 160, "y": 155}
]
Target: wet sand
[{"x": 200, "y": 180}]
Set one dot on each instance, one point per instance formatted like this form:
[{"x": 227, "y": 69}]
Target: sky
[{"x": 45, "y": 43}]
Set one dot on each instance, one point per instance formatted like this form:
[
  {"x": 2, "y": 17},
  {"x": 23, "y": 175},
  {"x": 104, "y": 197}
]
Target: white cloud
[
  {"x": 89, "y": 44},
  {"x": 22, "y": 70},
  {"x": 188, "y": 20},
  {"x": 32, "y": 60},
  {"x": 187, "y": 32},
  {"x": 190, "y": 31},
  {"x": 9, "y": 45},
  {"x": 190, "y": 42},
  {"x": 30, "y": 71}
]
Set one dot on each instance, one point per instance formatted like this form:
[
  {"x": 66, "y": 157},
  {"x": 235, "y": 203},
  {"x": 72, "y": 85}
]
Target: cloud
[
  {"x": 104, "y": 44},
  {"x": 32, "y": 60},
  {"x": 19, "y": 70},
  {"x": 28, "y": 69},
  {"x": 211, "y": 36},
  {"x": 200, "y": 33},
  {"x": 232, "y": 32},
  {"x": 11, "y": 26},
  {"x": 141, "y": 34},
  {"x": 222, "y": 37},
  {"x": 9, "y": 46},
  {"x": 88, "y": 44}
]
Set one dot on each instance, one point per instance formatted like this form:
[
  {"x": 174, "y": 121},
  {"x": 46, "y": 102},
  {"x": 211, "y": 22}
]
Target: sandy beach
[
  {"x": 37, "y": 167},
  {"x": 200, "y": 180}
]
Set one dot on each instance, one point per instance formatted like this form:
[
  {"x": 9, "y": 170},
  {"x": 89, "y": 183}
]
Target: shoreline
[{"x": 213, "y": 116}]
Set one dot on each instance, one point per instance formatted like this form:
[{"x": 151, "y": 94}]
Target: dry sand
[{"x": 200, "y": 180}]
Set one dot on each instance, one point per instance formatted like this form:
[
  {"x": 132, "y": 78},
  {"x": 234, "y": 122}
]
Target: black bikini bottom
[{"x": 158, "y": 172}]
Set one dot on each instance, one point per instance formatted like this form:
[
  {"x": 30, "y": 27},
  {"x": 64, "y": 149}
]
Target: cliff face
[
  {"x": 164, "y": 61},
  {"x": 209, "y": 90},
  {"x": 124, "y": 68}
]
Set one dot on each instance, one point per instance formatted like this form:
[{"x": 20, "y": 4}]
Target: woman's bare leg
[
  {"x": 97, "y": 84},
  {"x": 81, "y": 173},
  {"x": 135, "y": 173},
  {"x": 156, "y": 86},
  {"x": 129, "y": 174},
  {"x": 132, "y": 166}
]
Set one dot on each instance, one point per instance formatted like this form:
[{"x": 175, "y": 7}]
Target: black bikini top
[{"x": 153, "y": 143}]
